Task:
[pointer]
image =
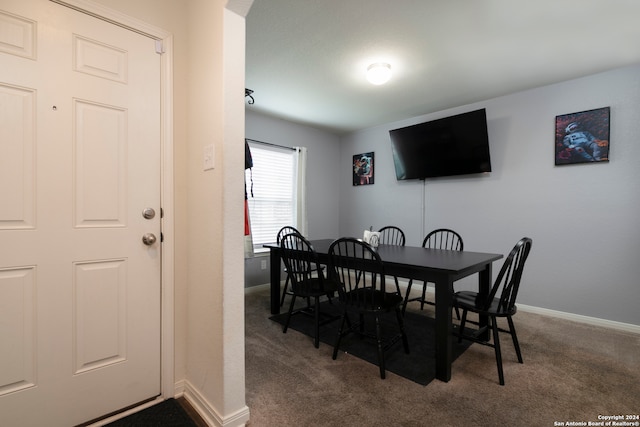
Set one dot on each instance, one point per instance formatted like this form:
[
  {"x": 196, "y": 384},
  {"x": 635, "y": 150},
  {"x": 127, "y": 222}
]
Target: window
[{"x": 274, "y": 201}]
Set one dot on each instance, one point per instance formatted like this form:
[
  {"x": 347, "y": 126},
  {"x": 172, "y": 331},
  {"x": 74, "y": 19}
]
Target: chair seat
[
  {"x": 374, "y": 301},
  {"x": 470, "y": 300},
  {"x": 314, "y": 287}
]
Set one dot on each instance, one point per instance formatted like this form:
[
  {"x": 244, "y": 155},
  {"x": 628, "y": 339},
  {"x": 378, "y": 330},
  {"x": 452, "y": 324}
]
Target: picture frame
[
  {"x": 363, "y": 168},
  {"x": 582, "y": 137}
]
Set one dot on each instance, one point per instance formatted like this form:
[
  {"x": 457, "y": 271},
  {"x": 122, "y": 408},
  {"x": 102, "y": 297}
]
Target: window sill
[{"x": 259, "y": 252}]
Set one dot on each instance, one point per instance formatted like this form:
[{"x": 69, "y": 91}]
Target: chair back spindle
[
  {"x": 508, "y": 279},
  {"x": 443, "y": 238},
  {"x": 391, "y": 235},
  {"x": 287, "y": 229}
]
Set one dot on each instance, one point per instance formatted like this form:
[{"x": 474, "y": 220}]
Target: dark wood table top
[{"x": 445, "y": 261}]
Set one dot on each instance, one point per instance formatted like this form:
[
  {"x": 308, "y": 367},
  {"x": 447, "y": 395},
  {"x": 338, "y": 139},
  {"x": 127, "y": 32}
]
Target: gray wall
[
  {"x": 322, "y": 178},
  {"x": 583, "y": 218}
]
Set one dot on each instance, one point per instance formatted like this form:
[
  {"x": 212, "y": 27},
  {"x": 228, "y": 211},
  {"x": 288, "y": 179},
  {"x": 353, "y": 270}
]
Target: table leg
[
  {"x": 274, "y": 254},
  {"x": 444, "y": 329},
  {"x": 484, "y": 287}
]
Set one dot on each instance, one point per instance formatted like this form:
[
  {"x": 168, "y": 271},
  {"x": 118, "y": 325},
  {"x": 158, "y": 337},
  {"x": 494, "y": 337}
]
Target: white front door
[{"x": 79, "y": 164}]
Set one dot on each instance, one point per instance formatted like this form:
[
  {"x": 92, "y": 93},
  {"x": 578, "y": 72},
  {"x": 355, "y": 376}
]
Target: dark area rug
[
  {"x": 166, "y": 414},
  {"x": 419, "y": 365}
]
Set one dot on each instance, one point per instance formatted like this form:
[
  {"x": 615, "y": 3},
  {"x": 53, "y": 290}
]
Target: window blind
[{"x": 273, "y": 204}]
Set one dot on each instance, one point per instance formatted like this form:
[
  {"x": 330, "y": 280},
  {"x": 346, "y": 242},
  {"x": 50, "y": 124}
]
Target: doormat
[{"x": 165, "y": 414}]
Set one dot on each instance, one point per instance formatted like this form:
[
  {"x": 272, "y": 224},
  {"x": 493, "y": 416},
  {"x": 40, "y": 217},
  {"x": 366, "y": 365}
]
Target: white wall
[
  {"x": 582, "y": 218},
  {"x": 215, "y": 298},
  {"x": 209, "y": 41}
]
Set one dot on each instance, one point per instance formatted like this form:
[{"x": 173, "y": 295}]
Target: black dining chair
[
  {"x": 501, "y": 302},
  {"x": 442, "y": 238},
  {"x": 391, "y": 235},
  {"x": 357, "y": 269},
  {"x": 306, "y": 280},
  {"x": 287, "y": 229}
]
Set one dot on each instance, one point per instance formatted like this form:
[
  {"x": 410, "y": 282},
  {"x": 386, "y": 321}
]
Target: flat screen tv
[{"x": 455, "y": 145}]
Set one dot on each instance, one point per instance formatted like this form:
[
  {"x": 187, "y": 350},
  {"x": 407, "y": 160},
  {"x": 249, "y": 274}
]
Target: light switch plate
[{"x": 208, "y": 162}]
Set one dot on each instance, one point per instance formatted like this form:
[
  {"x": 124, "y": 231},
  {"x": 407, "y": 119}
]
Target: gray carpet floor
[{"x": 572, "y": 372}]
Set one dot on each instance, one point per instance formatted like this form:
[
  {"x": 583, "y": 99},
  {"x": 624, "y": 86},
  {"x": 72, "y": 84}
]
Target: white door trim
[{"x": 167, "y": 384}]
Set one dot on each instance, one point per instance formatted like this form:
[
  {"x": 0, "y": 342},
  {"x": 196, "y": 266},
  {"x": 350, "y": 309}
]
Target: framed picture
[
  {"x": 363, "y": 169},
  {"x": 583, "y": 137}
]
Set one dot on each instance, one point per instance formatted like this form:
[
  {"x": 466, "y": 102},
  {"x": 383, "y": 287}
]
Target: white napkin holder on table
[{"x": 371, "y": 237}]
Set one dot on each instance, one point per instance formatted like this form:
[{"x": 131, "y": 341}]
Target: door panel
[
  {"x": 17, "y": 308},
  {"x": 100, "y": 151},
  {"x": 79, "y": 162},
  {"x": 17, "y": 157}
]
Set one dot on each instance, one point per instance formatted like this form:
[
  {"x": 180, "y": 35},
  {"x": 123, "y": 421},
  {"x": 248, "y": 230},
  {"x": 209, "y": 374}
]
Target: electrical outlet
[{"x": 263, "y": 264}]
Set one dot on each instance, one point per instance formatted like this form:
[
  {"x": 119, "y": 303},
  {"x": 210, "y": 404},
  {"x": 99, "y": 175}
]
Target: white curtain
[{"x": 301, "y": 190}]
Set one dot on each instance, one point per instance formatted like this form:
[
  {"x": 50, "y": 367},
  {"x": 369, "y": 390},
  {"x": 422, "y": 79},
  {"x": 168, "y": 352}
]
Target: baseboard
[
  {"x": 257, "y": 288},
  {"x": 178, "y": 389},
  {"x": 209, "y": 413},
  {"x": 626, "y": 327},
  {"x": 594, "y": 321}
]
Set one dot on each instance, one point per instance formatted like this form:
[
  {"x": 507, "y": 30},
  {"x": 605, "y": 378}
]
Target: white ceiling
[{"x": 305, "y": 59}]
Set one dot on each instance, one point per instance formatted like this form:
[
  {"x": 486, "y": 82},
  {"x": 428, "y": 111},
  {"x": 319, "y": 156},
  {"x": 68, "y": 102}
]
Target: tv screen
[{"x": 455, "y": 145}]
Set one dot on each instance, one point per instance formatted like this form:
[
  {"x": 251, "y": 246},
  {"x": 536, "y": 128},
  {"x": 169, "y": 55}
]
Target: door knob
[
  {"x": 149, "y": 239},
  {"x": 148, "y": 213}
]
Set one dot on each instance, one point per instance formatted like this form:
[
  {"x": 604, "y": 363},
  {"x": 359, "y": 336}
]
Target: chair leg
[
  {"x": 462, "y": 323},
  {"x": 286, "y": 322},
  {"x": 380, "y": 347},
  {"x": 496, "y": 344},
  {"x": 346, "y": 316},
  {"x": 284, "y": 291},
  {"x": 424, "y": 295},
  {"x": 316, "y": 315},
  {"x": 512, "y": 331},
  {"x": 336, "y": 346},
  {"x": 406, "y": 298},
  {"x": 405, "y": 341}
]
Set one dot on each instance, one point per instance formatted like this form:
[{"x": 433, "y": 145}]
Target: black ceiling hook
[{"x": 248, "y": 92}]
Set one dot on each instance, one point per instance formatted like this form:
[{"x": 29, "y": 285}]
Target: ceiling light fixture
[{"x": 379, "y": 73}]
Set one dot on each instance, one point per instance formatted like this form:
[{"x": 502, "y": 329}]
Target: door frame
[{"x": 164, "y": 41}]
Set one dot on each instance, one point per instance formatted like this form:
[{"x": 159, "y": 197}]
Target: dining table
[{"x": 438, "y": 266}]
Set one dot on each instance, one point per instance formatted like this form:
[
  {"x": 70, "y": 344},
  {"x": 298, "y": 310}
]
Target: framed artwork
[
  {"x": 363, "y": 169},
  {"x": 583, "y": 137}
]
